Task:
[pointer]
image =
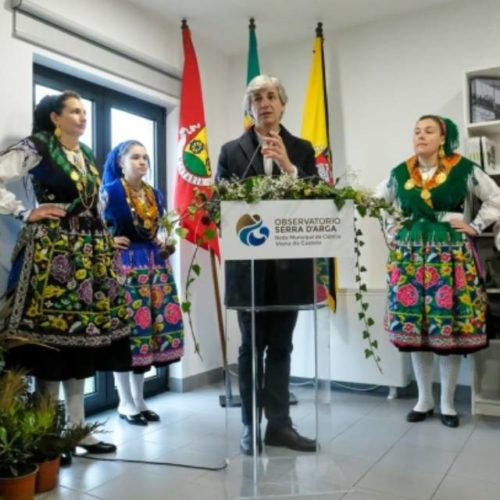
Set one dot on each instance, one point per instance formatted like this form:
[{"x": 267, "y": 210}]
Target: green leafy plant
[
  {"x": 284, "y": 187},
  {"x": 21, "y": 422},
  {"x": 59, "y": 437},
  {"x": 32, "y": 426}
]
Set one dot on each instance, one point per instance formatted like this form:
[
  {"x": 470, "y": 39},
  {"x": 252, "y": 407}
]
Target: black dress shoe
[
  {"x": 99, "y": 448},
  {"x": 134, "y": 419},
  {"x": 450, "y": 420},
  {"x": 66, "y": 459},
  {"x": 418, "y": 416},
  {"x": 246, "y": 441},
  {"x": 289, "y": 438},
  {"x": 150, "y": 416}
]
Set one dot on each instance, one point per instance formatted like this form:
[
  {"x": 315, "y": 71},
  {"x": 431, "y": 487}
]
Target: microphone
[{"x": 254, "y": 154}]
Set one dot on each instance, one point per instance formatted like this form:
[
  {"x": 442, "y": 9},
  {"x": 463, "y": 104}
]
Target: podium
[{"x": 271, "y": 251}]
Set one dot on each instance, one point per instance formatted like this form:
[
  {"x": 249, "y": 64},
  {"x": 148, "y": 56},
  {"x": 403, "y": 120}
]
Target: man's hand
[{"x": 273, "y": 147}]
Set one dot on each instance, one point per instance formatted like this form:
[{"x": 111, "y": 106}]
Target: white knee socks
[
  {"x": 449, "y": 367},
  {"x": 423, "y": 363},
  {"x": 126, "y": 406},
  {"x": 75, "y": 410},
  {"x": 137, "y": 383},
  {"x": 48, "y": 387}
]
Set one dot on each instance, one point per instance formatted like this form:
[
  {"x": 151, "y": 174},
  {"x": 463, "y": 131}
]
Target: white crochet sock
[
  {"x": 48, "y": 387},
  {"x": 126, "y": 406},
  {"x": 75, "y": 409},
  {"x": 423, "y": 364},
  {"x": 449, "y": 366},
  {"x": 137, "y": 383}
]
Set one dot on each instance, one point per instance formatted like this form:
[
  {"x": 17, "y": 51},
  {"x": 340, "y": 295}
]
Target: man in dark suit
[{"x": 281, "y": 286}]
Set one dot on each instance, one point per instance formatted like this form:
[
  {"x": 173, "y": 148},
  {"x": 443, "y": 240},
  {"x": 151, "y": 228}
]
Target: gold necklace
[
  {"x": 143, "y": 207},
  {"x": 422, "y": 178}
]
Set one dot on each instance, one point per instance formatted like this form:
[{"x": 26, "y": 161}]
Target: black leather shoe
[
  {"x": 150, "y": 416},
  {"x": 134, "y": 419},
  {"x": 99, "y": 448},
  {"x": 450, "y": 420},
  {"x": 246, "y": 441},
  {"x": 418, "y": 416},
  {"x": 289, "y": 438},
  {"x": 66, "y": 459}
]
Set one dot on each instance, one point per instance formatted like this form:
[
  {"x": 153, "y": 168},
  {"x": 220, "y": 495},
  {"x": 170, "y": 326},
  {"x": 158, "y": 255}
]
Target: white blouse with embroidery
[
  {"x": 479, "y": 184},
  {"x": 15, "y": 163}
]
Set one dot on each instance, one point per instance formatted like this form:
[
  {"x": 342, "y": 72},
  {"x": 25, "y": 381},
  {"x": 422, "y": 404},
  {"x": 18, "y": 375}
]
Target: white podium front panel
[{"x": 288, "y": 229}]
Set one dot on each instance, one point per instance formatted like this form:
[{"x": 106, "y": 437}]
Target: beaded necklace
[
  {"x": 423, "y": 180},
  {"x": 85, "y": 184},
  {"x": 81, "y": 170},
  {"x": 143, "y": 207}
]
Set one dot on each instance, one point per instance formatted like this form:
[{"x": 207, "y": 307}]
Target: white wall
[
  {"x": 381, "y": 77},
  {"x": 159, "y": 40},
  {"x": 393, "y": 71}
]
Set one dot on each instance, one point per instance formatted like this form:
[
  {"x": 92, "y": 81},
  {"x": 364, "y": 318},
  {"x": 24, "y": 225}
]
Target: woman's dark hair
[{"x": 49, "y": 104}]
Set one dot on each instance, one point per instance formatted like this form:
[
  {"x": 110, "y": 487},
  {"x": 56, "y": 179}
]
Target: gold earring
[
  {"x": 57, "y": 132},
  {"x": 441, "y": 152}
]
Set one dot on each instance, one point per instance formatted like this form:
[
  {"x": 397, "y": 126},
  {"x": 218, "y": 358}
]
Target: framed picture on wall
[{"x": 484, "y": 99}]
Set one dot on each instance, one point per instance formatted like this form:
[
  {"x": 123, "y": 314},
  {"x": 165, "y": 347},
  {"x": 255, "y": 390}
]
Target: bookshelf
[{"x": 485, "y": 386}]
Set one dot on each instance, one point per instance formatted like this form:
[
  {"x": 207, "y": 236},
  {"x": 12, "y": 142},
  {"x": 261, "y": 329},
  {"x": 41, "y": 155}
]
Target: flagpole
[
  {"x": 227, "y": 399},
  {"x": 218, "y": 308}
]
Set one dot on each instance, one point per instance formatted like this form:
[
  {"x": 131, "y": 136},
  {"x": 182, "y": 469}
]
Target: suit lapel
[{"x": 249, "y": 144}]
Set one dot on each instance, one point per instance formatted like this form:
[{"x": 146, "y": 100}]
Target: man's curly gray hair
[{"x": 259, "y": 83}]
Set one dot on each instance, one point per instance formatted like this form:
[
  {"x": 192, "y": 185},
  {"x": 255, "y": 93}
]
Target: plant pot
[
  {"x": 21, "y": 487},
  {"x": 48, "y": 475}
]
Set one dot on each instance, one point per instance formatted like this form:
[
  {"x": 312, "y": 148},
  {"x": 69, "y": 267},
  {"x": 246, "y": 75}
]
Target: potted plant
[
  {"x": 59, "y": 438},
  {"x": 20, "y": 426}
]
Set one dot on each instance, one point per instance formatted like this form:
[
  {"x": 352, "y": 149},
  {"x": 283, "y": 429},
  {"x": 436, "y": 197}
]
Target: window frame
[{"x": 104, "y": 99}]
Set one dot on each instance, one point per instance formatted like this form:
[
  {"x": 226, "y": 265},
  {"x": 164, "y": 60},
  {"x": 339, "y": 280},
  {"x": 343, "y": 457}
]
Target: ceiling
[{"x": 223, "y": 23}]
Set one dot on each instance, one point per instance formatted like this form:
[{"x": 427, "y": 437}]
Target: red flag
[{"x": 193, "y": 163}]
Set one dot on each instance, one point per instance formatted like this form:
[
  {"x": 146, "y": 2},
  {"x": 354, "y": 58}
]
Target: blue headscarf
[{"x": 112, "y": 169}]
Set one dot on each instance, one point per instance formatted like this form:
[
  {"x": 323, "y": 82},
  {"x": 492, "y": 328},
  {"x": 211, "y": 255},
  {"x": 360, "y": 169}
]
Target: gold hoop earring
[
  {"x": 57, "y": 132},
  {"x": 441, "y": 152}
]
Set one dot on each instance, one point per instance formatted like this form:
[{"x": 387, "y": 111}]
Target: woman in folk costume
[
  {"x": 436, "y": 298},
  {"x": 132, "y": 209},
  {"x": 65, "y": 287}
]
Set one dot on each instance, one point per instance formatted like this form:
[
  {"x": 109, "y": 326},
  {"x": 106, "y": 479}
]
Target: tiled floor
[{"x": 369, "y": 452}]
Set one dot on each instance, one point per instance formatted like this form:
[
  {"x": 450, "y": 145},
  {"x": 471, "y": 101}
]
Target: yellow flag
[
  {"x": 315, "y": 119},
  {"x": 315, "y": 130}
]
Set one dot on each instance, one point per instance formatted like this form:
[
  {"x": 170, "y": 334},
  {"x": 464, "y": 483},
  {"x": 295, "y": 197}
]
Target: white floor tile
[
  {"x": 368, "y": 452},
  {"x": 400, "y": 481},
  {"x": 459, "y": 488}
]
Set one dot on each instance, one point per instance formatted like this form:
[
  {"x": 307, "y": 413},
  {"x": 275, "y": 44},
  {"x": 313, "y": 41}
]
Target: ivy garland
[{"x": 284, "y": 187}]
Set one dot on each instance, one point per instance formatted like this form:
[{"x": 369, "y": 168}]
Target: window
[{"x": 112, "y": 118}]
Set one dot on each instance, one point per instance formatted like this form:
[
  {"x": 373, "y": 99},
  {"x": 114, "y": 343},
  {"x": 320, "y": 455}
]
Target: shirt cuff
[
  {"x": 294, "y": 173},
  {"x": 23, "y": 214},
  {"x": 477, "y": 226}
]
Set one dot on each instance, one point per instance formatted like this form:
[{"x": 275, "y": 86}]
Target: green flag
[{"x": 253, "y": 67}]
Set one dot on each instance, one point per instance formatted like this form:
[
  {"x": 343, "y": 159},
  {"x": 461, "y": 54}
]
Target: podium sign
[{"x": 287, "y": 229}]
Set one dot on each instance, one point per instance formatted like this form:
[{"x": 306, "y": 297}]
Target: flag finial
[
  {"x": 184, "y": 25},
  {"x": 251, "y": 25},
  {"x": 319, "y": 29}
]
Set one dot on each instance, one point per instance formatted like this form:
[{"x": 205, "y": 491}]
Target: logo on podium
[{"x": 251, "y": 230}]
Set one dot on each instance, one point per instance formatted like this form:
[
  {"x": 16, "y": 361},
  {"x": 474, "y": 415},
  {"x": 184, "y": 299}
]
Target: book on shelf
[
  {"x": 488, "y": 154},
  {"x": 473, "y": 149},
  {"x": 481, "y": 150}
]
